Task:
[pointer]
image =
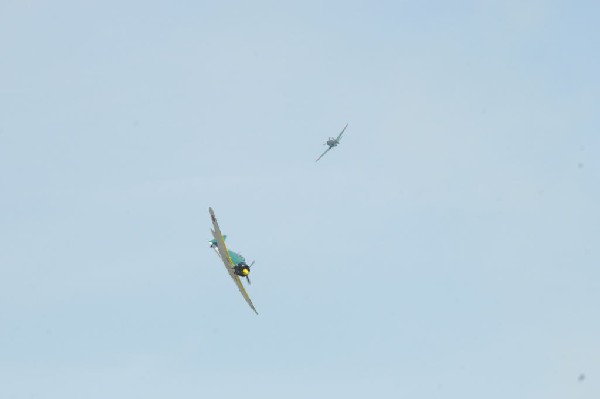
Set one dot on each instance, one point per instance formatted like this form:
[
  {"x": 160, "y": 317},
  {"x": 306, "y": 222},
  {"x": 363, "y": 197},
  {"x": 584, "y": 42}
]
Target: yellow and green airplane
[{"x": 234, "y": 262}]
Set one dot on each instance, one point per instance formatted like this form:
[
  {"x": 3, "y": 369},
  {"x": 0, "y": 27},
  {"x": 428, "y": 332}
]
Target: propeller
[{"x": 248, "y": 278}]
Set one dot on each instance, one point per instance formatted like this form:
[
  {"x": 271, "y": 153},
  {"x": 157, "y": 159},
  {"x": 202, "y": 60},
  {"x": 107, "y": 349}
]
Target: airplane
[
  {"x": 234, "y": 263},
  {"x": 332, "y": 142}
]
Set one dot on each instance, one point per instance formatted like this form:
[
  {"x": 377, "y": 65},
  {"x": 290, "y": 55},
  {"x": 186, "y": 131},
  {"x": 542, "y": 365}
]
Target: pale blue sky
[{"x": 448, "y": 248}]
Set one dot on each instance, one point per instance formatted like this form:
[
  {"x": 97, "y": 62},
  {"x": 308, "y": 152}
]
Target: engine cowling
[{"x": 242, "y": 269}]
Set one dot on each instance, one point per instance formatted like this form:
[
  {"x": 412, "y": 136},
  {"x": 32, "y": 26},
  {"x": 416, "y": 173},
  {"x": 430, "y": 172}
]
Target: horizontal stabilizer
[{"x": 213, "y": 242}]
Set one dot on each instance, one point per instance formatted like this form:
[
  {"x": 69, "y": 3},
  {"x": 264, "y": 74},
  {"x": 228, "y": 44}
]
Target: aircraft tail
[{"x": 213, "y": 242}]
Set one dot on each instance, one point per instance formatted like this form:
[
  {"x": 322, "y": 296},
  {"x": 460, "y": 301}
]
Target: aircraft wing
[
  {"x": 224, "y": 255},
  {"x": 321, "y": 156},
  {"x": 340, "y": 135}
]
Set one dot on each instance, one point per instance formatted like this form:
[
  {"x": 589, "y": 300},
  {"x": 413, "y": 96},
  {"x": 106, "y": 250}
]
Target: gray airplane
[{"x": 333, "y": 142}]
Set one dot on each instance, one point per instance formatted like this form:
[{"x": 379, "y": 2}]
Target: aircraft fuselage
[{"x": 238, "y": 260}]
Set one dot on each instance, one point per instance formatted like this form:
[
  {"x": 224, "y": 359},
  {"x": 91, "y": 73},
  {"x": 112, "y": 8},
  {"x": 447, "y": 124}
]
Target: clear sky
[{"x": 448, "y": 248}]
